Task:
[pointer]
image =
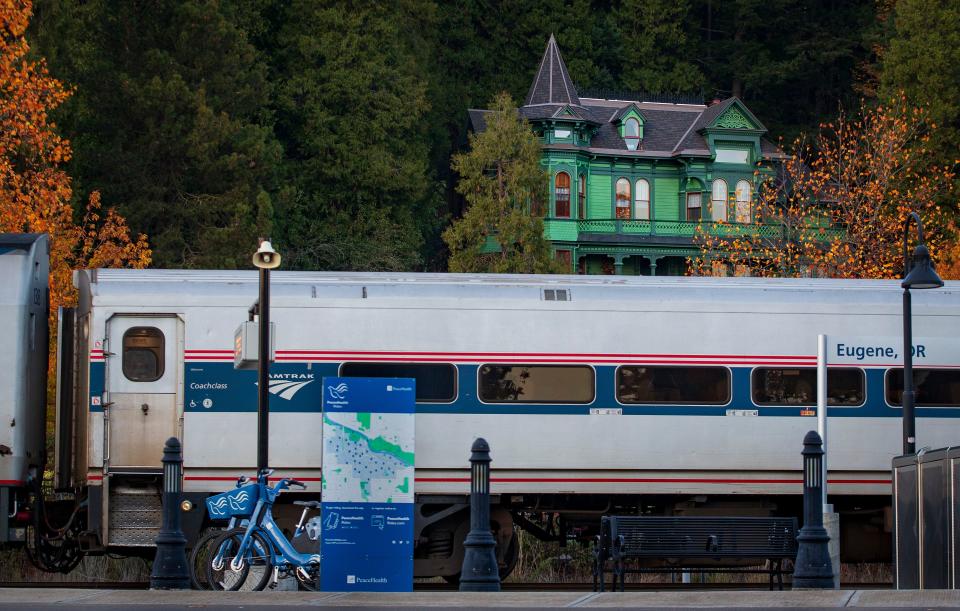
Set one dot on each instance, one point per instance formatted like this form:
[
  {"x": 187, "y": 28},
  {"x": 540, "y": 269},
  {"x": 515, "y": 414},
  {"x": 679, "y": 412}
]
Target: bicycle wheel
[
  {"x": 309, "y": 577},
  {"x": 228, "y": 569},
  {"x": 200, "y": 556}
]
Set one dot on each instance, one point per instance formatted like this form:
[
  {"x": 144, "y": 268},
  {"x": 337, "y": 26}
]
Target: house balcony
[{"x": 676, "y": 232}]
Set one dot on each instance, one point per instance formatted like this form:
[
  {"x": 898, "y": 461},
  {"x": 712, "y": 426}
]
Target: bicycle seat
[{"x": 314, "y": 504}]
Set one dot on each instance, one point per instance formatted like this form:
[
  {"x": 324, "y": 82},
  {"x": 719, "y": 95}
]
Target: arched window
[
  {"x": 582, "y": 195},
  {"x": 744, "y": 193},
  {"x": 642, "y": 209},
  {"x": 631, "y": 133},
  {"x": 718, "y": 202},
  {"x": 562, "y": 192},
  {"x": 623, "y": 198}
]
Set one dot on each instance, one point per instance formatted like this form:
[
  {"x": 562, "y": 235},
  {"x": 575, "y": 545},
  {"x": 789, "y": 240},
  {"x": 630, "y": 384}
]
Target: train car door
[{"x": 143, "y": 368}]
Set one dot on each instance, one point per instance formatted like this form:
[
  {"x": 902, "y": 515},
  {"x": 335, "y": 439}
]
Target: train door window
[
  {"x": 798, "y": 386},
  {"x": 436, "y": 382},
  {"x": 536, "y": 383},
  {"x": 688, "y": 385},
  {"x": 933, "y": 387},
  {"x": 143, "y": 354}
]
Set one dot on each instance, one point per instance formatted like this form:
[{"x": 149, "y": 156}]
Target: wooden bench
[{"x": 693, "y": 542}]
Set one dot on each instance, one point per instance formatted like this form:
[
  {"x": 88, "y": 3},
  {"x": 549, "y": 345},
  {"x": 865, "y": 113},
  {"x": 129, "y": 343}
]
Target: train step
[{"x": 135, "y": 517}]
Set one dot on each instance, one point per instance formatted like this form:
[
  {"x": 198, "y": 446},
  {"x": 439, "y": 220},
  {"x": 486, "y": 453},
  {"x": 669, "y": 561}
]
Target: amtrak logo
[
  {"x": 286, "y": 385},
  {"x": 339, "y": 391}
]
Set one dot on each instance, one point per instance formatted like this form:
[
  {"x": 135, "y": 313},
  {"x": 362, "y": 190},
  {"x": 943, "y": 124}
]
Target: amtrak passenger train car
[{"x": 598, "y": 394}]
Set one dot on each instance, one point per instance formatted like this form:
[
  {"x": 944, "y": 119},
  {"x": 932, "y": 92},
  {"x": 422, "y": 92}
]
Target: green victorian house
[{"x": 630, "y": 180}]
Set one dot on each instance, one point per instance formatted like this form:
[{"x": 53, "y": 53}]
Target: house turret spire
[{"x": 552, "y": 84}]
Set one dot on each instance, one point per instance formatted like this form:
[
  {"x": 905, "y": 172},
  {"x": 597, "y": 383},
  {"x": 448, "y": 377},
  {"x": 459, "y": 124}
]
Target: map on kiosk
[{"x": 367, "y": 457}]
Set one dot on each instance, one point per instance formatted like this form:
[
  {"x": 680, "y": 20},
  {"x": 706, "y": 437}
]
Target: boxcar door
[{"x": 142, "y": 379}]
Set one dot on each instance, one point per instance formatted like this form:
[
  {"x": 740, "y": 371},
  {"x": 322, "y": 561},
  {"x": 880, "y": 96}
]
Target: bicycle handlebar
[{"x": 293, "y": 482}]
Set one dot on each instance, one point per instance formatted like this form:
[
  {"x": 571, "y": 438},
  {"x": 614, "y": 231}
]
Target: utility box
[
  {"x": 246, "y": 343},
  {"x": 925, "y": 497}
]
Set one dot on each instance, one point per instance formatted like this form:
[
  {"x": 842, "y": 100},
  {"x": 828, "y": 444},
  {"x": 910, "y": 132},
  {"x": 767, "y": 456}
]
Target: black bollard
[
  {"x": 170, "y": 570},
  {"x": 813, "y": 568},
  {"x": 480, "y": 572}
]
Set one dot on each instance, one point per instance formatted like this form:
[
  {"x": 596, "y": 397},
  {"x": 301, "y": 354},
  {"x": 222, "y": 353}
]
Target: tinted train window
[
  {"x": 798, "y": 386},
  {"x": 436, "y": 382},
  {"x": 692, "y": 385},
  {"x": 143, "y": 354},
  {"x": 536, "y": 384},
  {"x": 933, "y": 387}
]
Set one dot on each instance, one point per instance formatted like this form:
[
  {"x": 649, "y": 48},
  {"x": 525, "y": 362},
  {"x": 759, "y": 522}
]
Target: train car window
[
  {"x": 143, "y": 354},
  {"x": 436, "y": 382},
  {"x": 536, "y": 383},
  {"x": 689, "y": 385},
  {"x": 798, "y": 386},
  {"x": 933, "y": 387}
]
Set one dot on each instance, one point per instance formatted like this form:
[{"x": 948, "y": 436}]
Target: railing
[{"x": 689, "y": 228}]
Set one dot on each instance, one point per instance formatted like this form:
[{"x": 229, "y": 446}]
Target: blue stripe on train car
[
  {"x": 296, "y": 387},
  {"x": 98, "y": 371},
  {"x": 218, "y": 387}
]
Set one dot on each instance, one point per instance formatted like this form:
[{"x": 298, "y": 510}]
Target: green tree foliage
[
  {"x": 331, "y": 125},
  {"x": 794, "y": 62},
  {"x": 923, "y": 61},
  {"x": 656, "y": 54},
  {"x": 171, "y": 120},
  {"x": 504, "y": 185},
  {"x": 351, "y": 101}
]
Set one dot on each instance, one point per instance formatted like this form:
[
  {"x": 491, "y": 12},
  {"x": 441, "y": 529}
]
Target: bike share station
[{"x": 363, "y": 537}]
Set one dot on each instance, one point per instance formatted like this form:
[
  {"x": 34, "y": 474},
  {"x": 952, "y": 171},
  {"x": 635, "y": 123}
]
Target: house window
[
  {"x": 562, "y": 192},
  {"x": 623, "y": 199},
  {"x": 582, "y": 195},
  {"x": 743, "y": 202},
  {"x": 738, "y": 156},
  {"x": 643, "y": 199},
  {"x": 561, "y": 133},
  {"x": 693, "y": 206},
  {"x": 631, "y": 133},
  {"x": 718, "y": 201},
  {"x": 565, "y": 258}
]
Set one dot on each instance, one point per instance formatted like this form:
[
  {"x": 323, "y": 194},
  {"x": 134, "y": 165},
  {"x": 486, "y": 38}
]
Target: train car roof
[{"x": 198, "y": 287}]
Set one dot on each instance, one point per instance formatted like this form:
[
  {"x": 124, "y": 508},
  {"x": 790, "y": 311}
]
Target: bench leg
[{"x": 779, "y": 575}]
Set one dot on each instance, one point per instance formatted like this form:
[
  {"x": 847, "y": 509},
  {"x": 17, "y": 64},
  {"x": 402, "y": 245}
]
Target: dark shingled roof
[
  {"x": 552, "y": 85},
  {"x": 669, "y": 130}
]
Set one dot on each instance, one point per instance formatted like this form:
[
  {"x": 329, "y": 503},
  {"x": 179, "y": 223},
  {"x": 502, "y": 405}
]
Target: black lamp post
[
  {"x": 813, "y": 568},
  {"x": 479, "y": 572},
  {"x": 918, "y": 275},
  {"x": 170, "y": 570},
  {"x": 266, "y": 258}
]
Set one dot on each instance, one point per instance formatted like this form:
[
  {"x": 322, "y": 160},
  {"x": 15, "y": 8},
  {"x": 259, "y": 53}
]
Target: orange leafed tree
[
  {"x": 35, "y": 192},
  {"x": 836, "y": 206}
]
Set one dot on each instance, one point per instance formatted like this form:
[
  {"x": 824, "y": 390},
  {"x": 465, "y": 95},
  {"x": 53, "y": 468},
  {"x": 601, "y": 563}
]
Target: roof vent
[{"x": 556, "y": 294}]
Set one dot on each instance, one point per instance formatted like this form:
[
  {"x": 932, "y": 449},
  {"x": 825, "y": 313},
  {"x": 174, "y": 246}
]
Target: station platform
[{"x": 142, "y": 600}]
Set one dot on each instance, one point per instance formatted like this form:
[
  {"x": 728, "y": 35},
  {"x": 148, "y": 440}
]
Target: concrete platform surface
[{"x": 41, "y": 598}]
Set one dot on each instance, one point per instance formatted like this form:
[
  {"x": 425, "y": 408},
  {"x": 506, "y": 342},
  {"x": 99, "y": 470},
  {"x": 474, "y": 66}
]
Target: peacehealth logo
[
  {"x": 286, "y": 385},
  {"x": 339, "y": 391},
  {"x": 352, "y": 579}
]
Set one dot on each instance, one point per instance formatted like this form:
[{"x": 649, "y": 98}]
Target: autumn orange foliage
[
  {"x": 35, "y": 192},
  {"x": 838, "y": 204}
]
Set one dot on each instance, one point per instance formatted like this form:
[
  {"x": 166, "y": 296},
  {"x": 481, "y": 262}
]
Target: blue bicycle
[{"x": 261, "y": 547}]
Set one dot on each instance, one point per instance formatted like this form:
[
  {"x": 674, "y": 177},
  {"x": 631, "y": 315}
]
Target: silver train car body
[
  {"x": 23, "y": 361},
  {"x": 151, "y": 357}
]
